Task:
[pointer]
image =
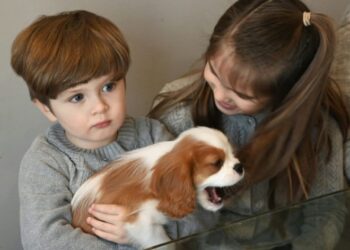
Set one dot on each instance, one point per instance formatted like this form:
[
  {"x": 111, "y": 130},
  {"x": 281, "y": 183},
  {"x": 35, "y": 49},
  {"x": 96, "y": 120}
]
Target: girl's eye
[
  {"x": 211, "y": 85},
  {"x": 109, "y": 87},
  {"x": 248, "y": 98},
  {"x": 76, "y": 98}
]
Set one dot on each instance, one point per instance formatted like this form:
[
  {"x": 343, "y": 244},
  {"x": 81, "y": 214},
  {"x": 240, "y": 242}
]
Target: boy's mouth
[{"x": 102, "y": 124}]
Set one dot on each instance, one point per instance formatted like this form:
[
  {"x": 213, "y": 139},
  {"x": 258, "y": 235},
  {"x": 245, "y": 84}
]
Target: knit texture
[
  {"x": 51, "y": 172},
  {"x": 316, "y": 227}
]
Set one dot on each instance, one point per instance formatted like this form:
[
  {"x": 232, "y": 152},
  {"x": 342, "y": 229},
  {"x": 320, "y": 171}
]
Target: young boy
[{"x": 74, "y": 65}]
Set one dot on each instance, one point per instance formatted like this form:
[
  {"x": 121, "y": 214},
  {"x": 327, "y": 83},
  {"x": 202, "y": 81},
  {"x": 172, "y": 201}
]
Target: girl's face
[
  {"x": 91, "y": 113},
  {"x": 228, "y": 100}
]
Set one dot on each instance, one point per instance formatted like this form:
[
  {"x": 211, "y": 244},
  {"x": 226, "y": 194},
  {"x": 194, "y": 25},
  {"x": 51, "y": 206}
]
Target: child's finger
[
  {"x": 121, "y": 239},
  {"x": 102, "y": 226},
  {"x": 108, "y": 209},
  {"x": 109, "y": 218}
]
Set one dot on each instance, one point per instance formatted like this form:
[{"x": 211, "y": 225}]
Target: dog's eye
[{"x": 218, "y": 163}]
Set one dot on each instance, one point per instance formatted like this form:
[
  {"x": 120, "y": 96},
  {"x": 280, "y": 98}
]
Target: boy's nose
[{"x": 99, "y": 106}]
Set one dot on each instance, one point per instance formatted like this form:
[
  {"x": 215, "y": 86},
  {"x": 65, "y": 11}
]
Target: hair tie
[{"x": 306, "y": 18}]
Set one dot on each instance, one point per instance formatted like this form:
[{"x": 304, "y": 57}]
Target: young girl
[
  {"x": 266, "y": 84},
  {"x": 74, "y": 64}
]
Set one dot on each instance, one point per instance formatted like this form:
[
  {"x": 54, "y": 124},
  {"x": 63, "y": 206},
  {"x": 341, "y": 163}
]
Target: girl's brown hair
[
  {"x": 60, "y": 51},
  {"x": 271, "y": 52}
]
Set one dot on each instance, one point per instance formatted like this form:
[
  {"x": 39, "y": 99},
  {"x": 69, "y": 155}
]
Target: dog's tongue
[{"x": 213, "y": 196}]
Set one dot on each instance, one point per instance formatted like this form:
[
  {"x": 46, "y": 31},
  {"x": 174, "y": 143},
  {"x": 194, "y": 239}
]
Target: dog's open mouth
[{"x": 217, "y": 195}]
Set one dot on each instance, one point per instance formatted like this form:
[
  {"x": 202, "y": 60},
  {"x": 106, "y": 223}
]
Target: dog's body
[{"x": 162, "y": 180}]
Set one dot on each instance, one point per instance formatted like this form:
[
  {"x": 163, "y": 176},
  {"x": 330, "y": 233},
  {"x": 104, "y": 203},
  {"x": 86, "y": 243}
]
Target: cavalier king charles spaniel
[{"x": 162, "y": 180}]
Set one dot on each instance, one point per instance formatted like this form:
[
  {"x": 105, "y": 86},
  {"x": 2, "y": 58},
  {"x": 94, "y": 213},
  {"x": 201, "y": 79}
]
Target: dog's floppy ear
[{"x": 172, "y": 183}]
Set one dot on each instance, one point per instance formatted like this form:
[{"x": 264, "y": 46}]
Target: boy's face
[{"x": 91, "y": 113}]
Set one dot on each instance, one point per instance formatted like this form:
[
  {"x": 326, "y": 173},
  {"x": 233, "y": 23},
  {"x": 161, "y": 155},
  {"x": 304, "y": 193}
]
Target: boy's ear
[{"x": 45, "y": 110}]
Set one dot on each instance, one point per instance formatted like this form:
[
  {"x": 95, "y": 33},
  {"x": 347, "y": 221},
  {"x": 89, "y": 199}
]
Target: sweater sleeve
[
  {"x": 347, "y": 145},
  {"x": 159, "y": 132},
  {"x": 323, "y": 219},
  {"x": 179, "y": 118},
  {"x": 322, "y": 225},
  {"x": 347, "y": 158},
  {"x": 45, "y": 211}
]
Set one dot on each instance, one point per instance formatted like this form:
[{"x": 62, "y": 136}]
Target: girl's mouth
[{"x": 226, "y": 105}]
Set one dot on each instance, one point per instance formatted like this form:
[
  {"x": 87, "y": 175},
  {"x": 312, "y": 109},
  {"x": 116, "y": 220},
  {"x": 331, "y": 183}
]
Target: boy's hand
[{"x": 107, "y": 222}]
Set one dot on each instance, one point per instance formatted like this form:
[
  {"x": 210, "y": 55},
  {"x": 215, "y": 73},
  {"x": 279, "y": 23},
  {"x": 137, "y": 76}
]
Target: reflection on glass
[{"x": 321, "y": 223}]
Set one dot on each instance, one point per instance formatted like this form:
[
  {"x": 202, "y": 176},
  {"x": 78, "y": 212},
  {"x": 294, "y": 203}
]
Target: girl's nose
[{"x": 220, "y": 94}]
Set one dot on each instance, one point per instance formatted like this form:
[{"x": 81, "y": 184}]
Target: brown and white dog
[{"x": 162, "y": 180}]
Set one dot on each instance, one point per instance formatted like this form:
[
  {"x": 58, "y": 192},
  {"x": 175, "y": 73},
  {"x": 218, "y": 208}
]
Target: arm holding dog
[{"x": 161, "y": 181}]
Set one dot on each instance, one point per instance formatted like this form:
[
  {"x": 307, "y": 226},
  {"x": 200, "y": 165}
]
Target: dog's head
[{"x": 200, "y": 164}]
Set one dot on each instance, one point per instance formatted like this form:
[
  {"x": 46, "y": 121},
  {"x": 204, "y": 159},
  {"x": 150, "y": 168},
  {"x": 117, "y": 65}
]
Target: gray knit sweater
[
  {"x": 317, "y": 227},
  {"x": 53, "y": 169}
]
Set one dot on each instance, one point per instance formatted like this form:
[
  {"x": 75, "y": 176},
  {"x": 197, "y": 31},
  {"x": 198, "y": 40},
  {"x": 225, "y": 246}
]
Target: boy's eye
[
  {"x": 76, "y": 98},
  {"x": 109, "y": 87}
]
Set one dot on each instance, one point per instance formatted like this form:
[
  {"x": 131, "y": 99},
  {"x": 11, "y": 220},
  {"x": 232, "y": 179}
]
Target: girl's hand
[{"x": 107, "y": 222}]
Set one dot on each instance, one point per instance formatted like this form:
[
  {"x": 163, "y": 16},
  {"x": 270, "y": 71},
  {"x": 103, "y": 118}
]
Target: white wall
[{"x": 165, "y": 37}]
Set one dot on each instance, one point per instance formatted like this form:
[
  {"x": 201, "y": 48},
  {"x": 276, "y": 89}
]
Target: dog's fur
[{"x": 162, "y": 180}]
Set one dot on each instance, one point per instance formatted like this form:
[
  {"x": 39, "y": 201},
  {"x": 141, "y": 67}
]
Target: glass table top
[{"x": 320, "y": 223}]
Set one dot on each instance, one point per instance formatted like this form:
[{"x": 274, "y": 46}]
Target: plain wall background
[{"x": 166, "y": 37}]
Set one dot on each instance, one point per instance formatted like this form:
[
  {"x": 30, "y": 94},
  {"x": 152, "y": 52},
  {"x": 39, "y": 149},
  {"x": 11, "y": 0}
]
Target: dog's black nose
[{"x": 238, "y": 168}]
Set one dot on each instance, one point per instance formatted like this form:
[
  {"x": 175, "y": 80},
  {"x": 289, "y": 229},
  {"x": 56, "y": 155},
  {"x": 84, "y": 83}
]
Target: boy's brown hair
[{"x": 58, "y": 52}]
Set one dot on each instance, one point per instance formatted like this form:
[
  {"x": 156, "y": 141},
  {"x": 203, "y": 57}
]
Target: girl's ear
[{"x": 45, "y": 110}]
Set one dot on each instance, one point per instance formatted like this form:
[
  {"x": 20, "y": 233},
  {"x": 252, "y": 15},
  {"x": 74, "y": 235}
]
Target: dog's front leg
[{"x": 148, "y": 235}]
